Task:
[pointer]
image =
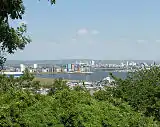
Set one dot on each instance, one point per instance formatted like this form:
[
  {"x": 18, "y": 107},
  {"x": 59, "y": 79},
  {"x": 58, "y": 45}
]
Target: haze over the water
[{"x": 91, "y": 29}]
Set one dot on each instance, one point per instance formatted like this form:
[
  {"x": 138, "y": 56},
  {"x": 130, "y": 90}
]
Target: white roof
[
  {"x": 107, "y": 78},
  {"x": 87, "y": 83},
  {"x": 12, "y": 73}
]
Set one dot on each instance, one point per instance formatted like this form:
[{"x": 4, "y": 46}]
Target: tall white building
[
  {"x": 22, "y": 67},
  {"x": 92, "y": 62},
  {"x": 127, "y": 63},
  {"x": 35, "y": 66},
  {"x": 122, "y": 64}
]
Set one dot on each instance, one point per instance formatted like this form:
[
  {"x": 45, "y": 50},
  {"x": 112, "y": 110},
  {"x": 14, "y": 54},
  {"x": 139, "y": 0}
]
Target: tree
[
  {"x": 141, "y": 90},
  {"x": 66, "y": 108},
  {"x": 58, "y": 85},
  {"x": 12, "y": 39}
]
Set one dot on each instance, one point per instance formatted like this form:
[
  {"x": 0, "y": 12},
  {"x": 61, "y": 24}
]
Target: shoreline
[
  {"x": 35, "y": 73},
  {"x": 52, "y": 73},
  {"x": 52, "y": 79}
]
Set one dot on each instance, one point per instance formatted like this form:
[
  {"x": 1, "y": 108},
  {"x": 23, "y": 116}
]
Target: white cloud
[
  {"x": 85, "y": 31},
  {"x": 74, "y": 39},
  {"x": 82, "y": 31},
  {"x": 94, "y": 32},
  {"x": 158, "y": 41},
  {"x": 84, "y": 35},
  {"x": 141, "y": 41},
  {"x": 123, "y": 39}
]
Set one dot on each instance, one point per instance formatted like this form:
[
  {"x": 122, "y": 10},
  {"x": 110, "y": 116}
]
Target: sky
[{"x": 91, "y": 29}]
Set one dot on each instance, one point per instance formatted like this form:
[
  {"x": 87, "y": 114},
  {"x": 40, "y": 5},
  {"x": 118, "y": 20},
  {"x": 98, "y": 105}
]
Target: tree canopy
[
  {"x": 64, "y": 107},
  {"x": 140, "y": 89},
  {"x": 11, "y": 38}
]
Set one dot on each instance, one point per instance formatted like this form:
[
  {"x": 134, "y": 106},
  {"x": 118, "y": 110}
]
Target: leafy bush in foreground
[
  {"x": 65, "y": 107},
  {"x": 141, "y": 90}
]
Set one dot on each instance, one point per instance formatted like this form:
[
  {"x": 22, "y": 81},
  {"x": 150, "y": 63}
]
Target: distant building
[
  {"x": 35, "y": 66},
  {"x": 65, "y": 70},
  {"x": 45, "y": 70},
  {"x": 92, "y": 62},
  {"x": 30, "y": 70},
  {"x": 58, "y": 70},
  {"x": 69, "y": 67},
  {"x": 22, "y": 67},
  {"x": 127, "y": 64},
  {"x": 73, "y": 67}
]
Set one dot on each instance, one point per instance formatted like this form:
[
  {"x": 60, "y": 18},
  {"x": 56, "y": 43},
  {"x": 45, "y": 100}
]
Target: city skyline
[{"x": 107, "y": 30}]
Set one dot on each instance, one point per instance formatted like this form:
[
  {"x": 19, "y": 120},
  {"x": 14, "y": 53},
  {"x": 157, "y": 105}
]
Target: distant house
[{"x": 45, "y": 69}]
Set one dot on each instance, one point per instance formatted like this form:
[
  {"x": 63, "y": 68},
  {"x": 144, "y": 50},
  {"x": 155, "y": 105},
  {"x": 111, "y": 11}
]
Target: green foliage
[
  {"x": 63, "y": 107},
  {"x": 107, "y": 95},
  {"x": 141, "y": 90},
  {"x": 11, "y": 38},
  {"x": 25, "y": 82},
  {"x": 72, "y": 108},
  {"x": 12, "y": 104},
  {"x": 79, "y": 88},
  {"x": 52, "y": 1},
  {"x": 12, "y": 8},
  {"x": 58, "y": 85}
]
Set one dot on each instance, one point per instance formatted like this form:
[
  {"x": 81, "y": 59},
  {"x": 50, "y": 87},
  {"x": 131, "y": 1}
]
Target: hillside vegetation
[{"x": 134, "y": 102}]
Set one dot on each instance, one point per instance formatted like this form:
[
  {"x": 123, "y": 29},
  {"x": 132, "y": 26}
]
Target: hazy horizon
[{"x": 84, "y": 59}]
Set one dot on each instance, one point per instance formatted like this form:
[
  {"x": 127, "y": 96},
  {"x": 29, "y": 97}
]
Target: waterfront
[{"x": 96, "y": 76}]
